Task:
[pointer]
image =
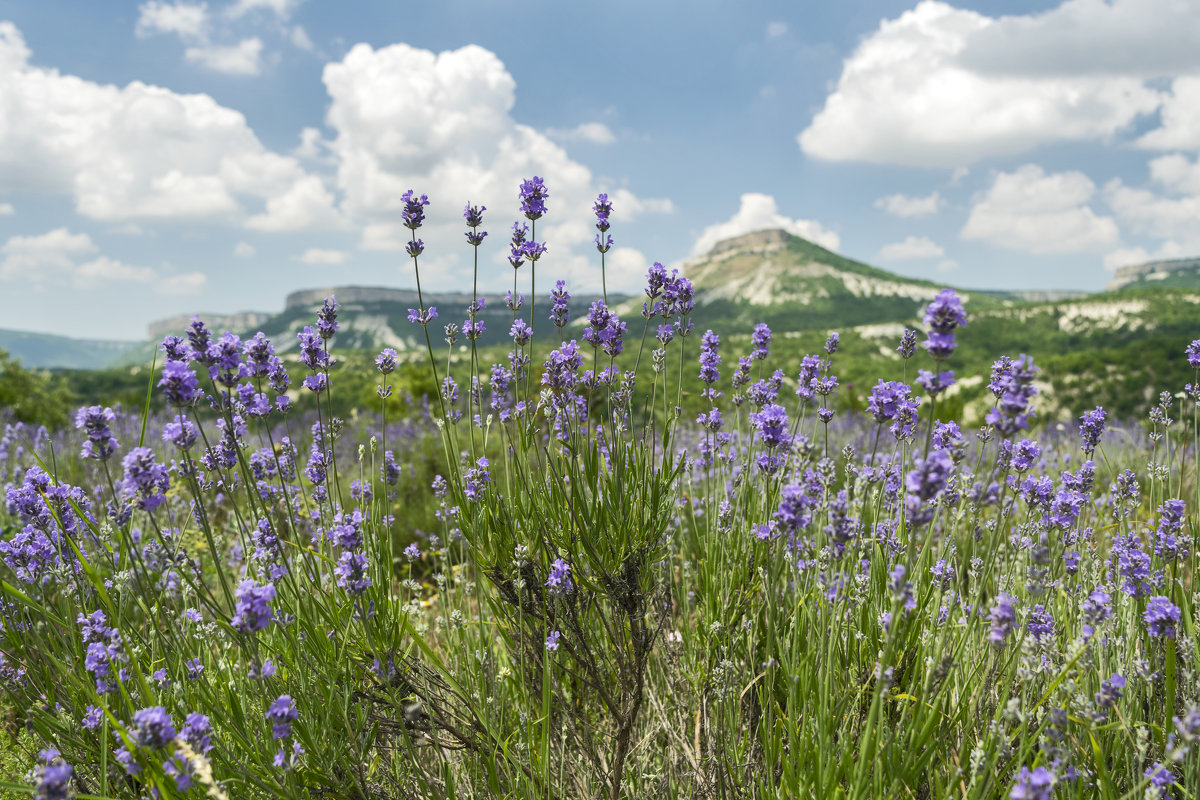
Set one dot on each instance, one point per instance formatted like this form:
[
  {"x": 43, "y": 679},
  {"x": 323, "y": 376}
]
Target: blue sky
[{"x": 170, "y": 156}]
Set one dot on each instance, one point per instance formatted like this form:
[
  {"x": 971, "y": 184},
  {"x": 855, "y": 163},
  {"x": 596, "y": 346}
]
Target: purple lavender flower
[
  {"x": 560, "y": 315},
  {"x": 197, "y": 731},
  {"x": 902, "y": 590},
  {"x": 92, "y": 718},
  {"x": 412, "y": 551},
  {"x": 605, "y": 330},
  {"x": 423, "y": 318},
  {"x": 924, "y": 483},
  {"x": 473, "y": 215},
  {"x": 1091, "y": 426},
  {"x": 1003, "y": 617},
  {"x": 935, "y": 383},
  {"x": 327, "y": 323},
  {"x": 385, "y": 362},
  {"x": 1193, "y": 354},
  {"x": 1096, "y": 608},
  {"x": 1012, "y": 384},
  {"x": 253, "y": 610},
  {"x": 175, "y": 348},
  {"x": 1110, "y": 692},
  {"x": 603, "y": 245},
  {"x": 1161, "y": 779},
  {"x": 1041, "y": 623},
  {"x": 771, "y": 424},
  {"x": 520, "y": 332},
  {"x": 476, "y": 479},
  {"x": 884, "y": 401},
  {"x": 559, "y": 580},
  {"x": 831, "y": 343},
  {"x": 943, "y": 316},
  {"x": 1168, "y": 544},
  {"x": 52, "y": 777},
  {"x": 152, "y": 727},
  {"x": 552, "y": 640},
  {"x": 603, "y": 208},
  {"x": 281, "y": 714},
  {"x": 413, "y": 215},
  {"x": 1133, "y": 565},
  {"x": 351, "y": 572},
  {"x": 760, "y": 340},
  {"x": 1035, "y": 785},
  {"x": 145, "y": 480},
  {"x": 908, "y": 344},
  {"x": 94, "y": 421},
  {"x": 180, "y": 433},
  {"x": 1161, "y": 615},
  {"x": 533, "y": 194},
  {"x": 710, "y": 359},
  {"x": 390, "y": 470},
  {"x": 179, "y": 383},
  {"x": 561, "y": 369}
]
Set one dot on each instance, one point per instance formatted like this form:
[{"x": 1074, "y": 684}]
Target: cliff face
[{"x": 1152, "y": 271}]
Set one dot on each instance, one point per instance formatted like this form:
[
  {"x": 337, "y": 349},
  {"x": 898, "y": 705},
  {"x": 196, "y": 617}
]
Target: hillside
[{"x": 45, "y": 350}]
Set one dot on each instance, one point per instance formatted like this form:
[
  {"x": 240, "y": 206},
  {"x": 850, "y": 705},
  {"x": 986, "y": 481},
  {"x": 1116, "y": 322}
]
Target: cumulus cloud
[
  {"x": 943, "y": 87},
  {"x": 1031, "y": 211},
  {"x": 243, "y": 58},
  {"x": 912, "y": 248},
  {"x": 280, "y": 8},
  {"x": 315, "y": 255},
  {"x": 144, "y": 152},
  {"x": 1151, "y": 214},
  {"x": 901, "y": 205},
  {"x": 244, "y": 250},
  {"x": 300, "y": 39},
  {"x": 1127, "y": 256},
  {"x": 592, "y": 132},
  {"x": 776, "y": 29},
  {"x": 182, "y": 284},
  {"x": 7, "y": 210},
  {"x": 441, "y": 123},
  {"x": 759, "y": 212},
  {"x": 62, "y": 258},
  {"x": 185, "y": 20}
]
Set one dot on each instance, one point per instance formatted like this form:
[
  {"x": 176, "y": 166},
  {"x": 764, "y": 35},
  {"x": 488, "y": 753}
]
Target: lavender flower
[
  {"x": 533, "y": 194},
  {"x": 1003, "y": 617},
  {"x": 552, "y": 639},
  {"x": 710, "y": 359},
  {"x": 1193, "y": 354},
  {"x": 831, "y": 343},
  {"x": 924, "y": 483},
  {"x": 560, "y": 315},
  {"x": 908, "y": 344},
  {"x": 145, "y": 480},
  {"x": 1161, "y": 615},
  {"x": 1091, "y": 426},
  {"x": 603, "y": 208},
  {"x": 1012, "y": 384},
  {"x": 943, "y": 316},
  {"x": 94, "y": 421},
  {"x": 253, "y": 610},
  {"x": 385, "y": 362},
  {"x": 281, "y": 714},
  {"x": 179, "y": 384},
  {"x": 413, "y": 214},
  {"x": 1168, "y": 544},
  {"x": 1035, "y": 785},
  {"x": 761, "y": 341},
  {"x": 559, "y": 580},
  {"x": 152, "y": 727},
  {"x": 935, "y": 383},
  {"x": 52, "y": 777}
]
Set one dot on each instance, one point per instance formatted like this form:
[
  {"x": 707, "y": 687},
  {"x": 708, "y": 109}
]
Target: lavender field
[{"x": 626, "y": 560}]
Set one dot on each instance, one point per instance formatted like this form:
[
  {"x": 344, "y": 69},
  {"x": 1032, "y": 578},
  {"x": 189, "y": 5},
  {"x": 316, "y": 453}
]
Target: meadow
[{"x": 627, "y": 559}]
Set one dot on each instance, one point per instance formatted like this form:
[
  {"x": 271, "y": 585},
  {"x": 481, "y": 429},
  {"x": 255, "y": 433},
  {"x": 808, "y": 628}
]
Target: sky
[{"x": 169, "y": 156}]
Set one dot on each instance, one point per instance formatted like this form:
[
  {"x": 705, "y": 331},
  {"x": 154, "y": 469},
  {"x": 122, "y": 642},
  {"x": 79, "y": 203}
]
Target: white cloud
[
  {"x": 61, "y": 258},
  {"x": 913, "y": 247},
  {"x": 185, "y": 20},
  {"x": 315, "y": 255},
  {"x": 38, "y": 259},
  {"x": 1180, "y": 129},
  {"x": 105, "y": 270},
  {"x": 142, "y": 152},
  {"x": 1127, "y": 256},
  {"x": 900, "y": 205},
  {"x": 243, "y": 58},
  {"x": 947, "y": 264},
  {"x": 592, "y": 132},
  {"x": 911, "y": 93},
  {"x": 1151, "y": 214},
  {"x": 441, "y": 123},
  {"x": 300, "y": 39},
  {"x": 759, "y": 212},
  {"x": 311, "y": 146},
  {"x": 776, "y": 29},
  {"x": 1176, "y": 173},
  {"x": 244, "y": 250},
  {"x": 7, "y": 210},
  {"x": 184, "y": 284},
  {"x": 1033, "y": 212},
  {"x": 280, "y": 8}
]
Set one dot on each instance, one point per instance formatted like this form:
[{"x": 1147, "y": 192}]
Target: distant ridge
[{"x": 1174, "y": 272}]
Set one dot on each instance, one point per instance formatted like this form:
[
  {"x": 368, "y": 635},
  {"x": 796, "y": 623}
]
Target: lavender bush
[{"x": 569, "y": 577}]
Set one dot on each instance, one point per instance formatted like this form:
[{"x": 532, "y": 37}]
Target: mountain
[
  {"x": 790, "y": 283},
  {"x": 1177, "y": 273},
  {"x": 45, "y": 350}
]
